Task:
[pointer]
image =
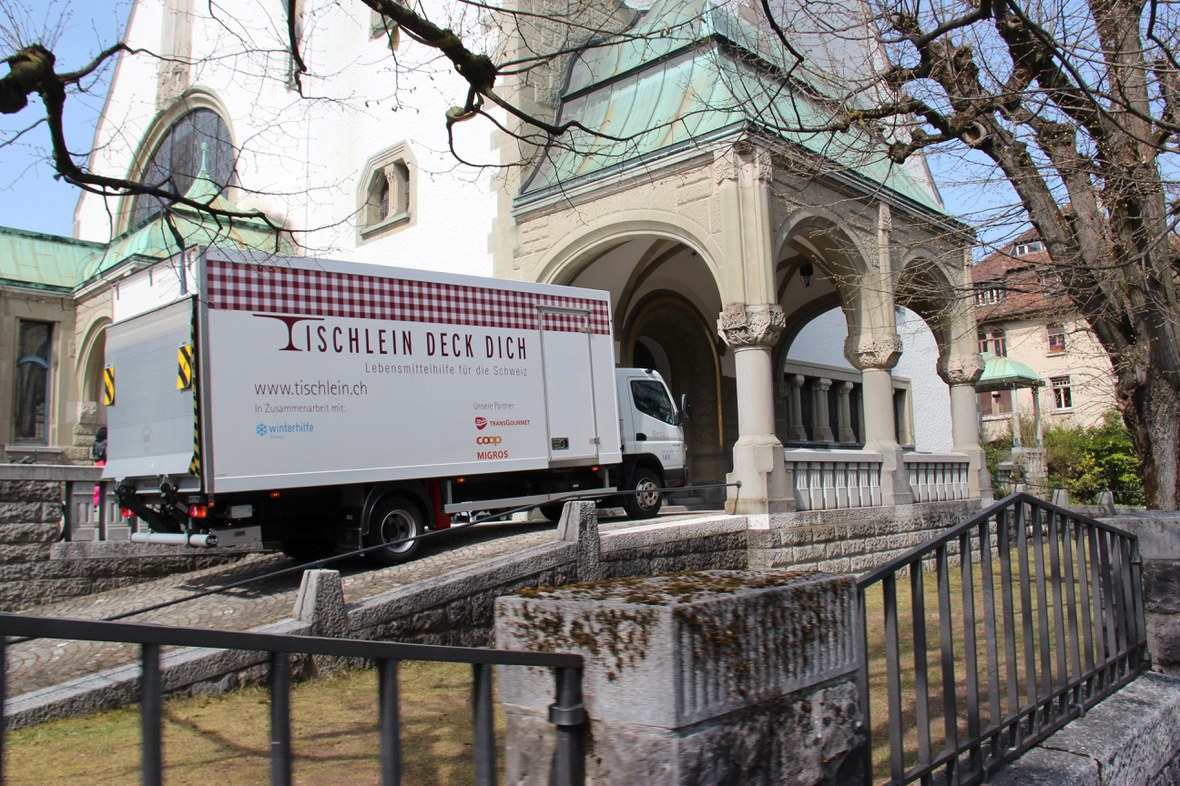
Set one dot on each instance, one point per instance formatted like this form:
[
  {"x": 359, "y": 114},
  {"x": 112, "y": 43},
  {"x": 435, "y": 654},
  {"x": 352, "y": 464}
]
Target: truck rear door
[
  {"x": 570, "y": 386},
  {"x": 151, "y": 394}
]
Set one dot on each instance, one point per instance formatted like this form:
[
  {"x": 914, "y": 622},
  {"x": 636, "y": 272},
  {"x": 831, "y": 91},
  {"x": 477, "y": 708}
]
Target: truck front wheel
[
  {"x": 646, "y": 499},
  {"x": 396, "y": 523}
]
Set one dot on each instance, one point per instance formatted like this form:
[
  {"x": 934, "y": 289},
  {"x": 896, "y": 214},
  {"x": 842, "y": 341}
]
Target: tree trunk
[{"x": 1152, "y": 415}]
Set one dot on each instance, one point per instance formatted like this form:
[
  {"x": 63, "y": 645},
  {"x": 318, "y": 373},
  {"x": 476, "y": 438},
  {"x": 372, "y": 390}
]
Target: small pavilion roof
[{"x": 1000, "y": 373}]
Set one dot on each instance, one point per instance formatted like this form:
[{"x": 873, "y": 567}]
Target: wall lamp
[{"x": 807, "y": 271}]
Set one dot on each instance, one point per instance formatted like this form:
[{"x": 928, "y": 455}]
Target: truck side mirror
[{"x": 685, "y": 408}]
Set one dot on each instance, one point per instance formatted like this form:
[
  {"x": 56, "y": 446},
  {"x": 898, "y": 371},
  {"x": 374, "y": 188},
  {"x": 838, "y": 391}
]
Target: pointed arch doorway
[{"x": 667, "y": 333}]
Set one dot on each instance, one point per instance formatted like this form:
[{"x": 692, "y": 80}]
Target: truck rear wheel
[
  {"x": 396, "y": 523},
  {"x": 647, "y": 499}
]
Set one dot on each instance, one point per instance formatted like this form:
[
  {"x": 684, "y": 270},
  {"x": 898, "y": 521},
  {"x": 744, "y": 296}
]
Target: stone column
[
  {"x": 693, "y": 679},
  {"x": 874, "y": 356},
  {"x": 819, "y": 404},
  {"x": 798, "y": 433},
  {"x": 844, "y": 416},
  {"x": 960, "y": 373},
  {"x": 758, "y": 460}
]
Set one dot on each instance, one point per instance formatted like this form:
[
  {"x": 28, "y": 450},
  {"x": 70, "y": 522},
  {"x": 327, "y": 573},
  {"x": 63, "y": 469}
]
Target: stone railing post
[{"x": 711, "y": 677}]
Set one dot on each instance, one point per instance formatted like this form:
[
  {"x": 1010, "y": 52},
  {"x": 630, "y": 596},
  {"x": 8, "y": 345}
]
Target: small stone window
[
  {"x": 387, "y": 199},
  {"x": 381, "y": 26}
]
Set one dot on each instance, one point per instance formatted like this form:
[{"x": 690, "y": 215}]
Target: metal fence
[
  {"x": 566, "y": 713},
  {"x": 988, "y": 638}
]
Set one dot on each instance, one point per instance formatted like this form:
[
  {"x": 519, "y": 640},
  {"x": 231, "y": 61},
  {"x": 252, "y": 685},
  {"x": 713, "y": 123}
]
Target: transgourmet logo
[{"x": 481, "y": 423}]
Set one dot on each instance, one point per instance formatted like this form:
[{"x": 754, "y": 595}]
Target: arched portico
[
  {"x": 691, "y": 212},
  {"x": 666, "y": 299}
]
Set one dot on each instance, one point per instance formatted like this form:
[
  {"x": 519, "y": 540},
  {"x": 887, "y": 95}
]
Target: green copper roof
[
  {"x": 1003, "y": 373},
  {"x": 691, "y": 71},
  {"x": 159, "y": 237},
  {"x": 40, "y": 261}
]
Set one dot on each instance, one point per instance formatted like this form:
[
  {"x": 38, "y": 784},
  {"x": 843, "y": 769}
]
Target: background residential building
[{"x": 1022, "y": 314}]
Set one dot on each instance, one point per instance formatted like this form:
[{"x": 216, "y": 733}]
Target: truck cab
[{"x": 651, "y": 437}]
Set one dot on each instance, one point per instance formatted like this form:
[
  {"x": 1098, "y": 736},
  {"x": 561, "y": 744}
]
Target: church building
[{"x": 810, "y": 297}]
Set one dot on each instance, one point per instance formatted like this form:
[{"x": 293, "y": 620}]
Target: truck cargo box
[{"x": 230, "y": 371}]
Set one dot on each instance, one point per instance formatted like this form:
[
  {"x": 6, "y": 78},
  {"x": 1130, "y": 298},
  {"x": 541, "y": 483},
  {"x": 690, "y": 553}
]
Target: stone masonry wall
[
  {"x": 36, "y": 568},
  {"x": 853, "y": 540}
]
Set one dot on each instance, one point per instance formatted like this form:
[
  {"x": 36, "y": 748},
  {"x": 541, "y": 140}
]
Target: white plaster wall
[
  {"x": 301, "y": 158},
  {"x": 822, "y": 341}
]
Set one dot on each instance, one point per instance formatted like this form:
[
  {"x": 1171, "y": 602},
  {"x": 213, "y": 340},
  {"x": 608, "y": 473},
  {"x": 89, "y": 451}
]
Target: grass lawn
[{"x": 224, "y": 739}]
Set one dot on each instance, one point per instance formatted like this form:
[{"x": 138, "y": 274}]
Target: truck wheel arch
[{"x": 417, "y": 493}]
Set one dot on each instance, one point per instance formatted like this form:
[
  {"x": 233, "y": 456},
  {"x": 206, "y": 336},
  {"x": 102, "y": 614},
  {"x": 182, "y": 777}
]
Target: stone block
[
  {"x": 1042, "y": 767},
  {"x": 1132, "y": 735},
  {"x": 579, "y": 524},
  {"x": 30, "y": 531},
  {"x": 675, "y": 650},
  {"x": 712, "y": 677}
]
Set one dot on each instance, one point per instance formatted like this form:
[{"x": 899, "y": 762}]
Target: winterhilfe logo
[{"x": 281, "y": 429}]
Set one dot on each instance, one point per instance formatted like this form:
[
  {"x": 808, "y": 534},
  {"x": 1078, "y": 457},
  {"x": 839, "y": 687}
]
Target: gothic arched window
[{"x": 176, "y": 161}]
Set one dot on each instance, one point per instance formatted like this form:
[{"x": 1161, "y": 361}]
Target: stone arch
[
  {"x": 671, "y": 331},
  {"x": 840, "y": 262},
  {"x": 565, "y": 262},
  {"x": 924, "y": 287},
  {"x": 194, "y": 99},
  {"x": 88, "y": 372},
  {"x": 662, "y": 273}
]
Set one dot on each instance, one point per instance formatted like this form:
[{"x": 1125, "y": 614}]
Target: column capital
[
  {"x": 879, "y": 351},
  {"x": 750, "y": 326},
  {"x": 728, "y": 163},
  {"x": 960, "y": 369}
]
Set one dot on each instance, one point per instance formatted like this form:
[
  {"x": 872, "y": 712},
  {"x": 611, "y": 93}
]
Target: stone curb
[{"x": 1129, "y": 739}]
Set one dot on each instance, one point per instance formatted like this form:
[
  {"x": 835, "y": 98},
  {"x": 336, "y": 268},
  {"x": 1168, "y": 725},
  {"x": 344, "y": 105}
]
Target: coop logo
[
  {"x": 488, "y": 440},
  {"x": 481, "y": 423}
]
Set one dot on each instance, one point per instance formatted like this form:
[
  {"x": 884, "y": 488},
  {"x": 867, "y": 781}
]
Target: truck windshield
[{"x": 651, "y": 399}]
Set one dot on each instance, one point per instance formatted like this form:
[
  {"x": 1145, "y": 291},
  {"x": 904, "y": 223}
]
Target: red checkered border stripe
[{"x": 284, "y": 290}]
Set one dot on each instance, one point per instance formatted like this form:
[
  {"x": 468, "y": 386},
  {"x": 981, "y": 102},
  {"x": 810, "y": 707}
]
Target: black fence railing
[
  {"x": 988, "y": 638},
  {"x": 566, "y": 713}
]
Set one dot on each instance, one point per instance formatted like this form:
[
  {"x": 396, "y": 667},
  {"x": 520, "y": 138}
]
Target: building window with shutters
[{"x": 994, "y": 341}]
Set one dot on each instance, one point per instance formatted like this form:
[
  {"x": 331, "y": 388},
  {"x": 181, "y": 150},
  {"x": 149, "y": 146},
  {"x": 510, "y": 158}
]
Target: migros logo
[{"x": 488, "y": 440}]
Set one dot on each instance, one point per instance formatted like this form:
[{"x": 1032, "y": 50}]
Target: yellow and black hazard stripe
[
  {"x": 186, "y": 372},
  {"x": 184, "y": 367},
  {"x": 108, "y": 386}
]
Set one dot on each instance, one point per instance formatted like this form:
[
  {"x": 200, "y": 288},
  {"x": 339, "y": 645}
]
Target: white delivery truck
[{"x": 315, "y": 405}]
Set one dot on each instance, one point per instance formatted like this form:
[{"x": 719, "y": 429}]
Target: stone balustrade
[{"x": 938, "y": 477}]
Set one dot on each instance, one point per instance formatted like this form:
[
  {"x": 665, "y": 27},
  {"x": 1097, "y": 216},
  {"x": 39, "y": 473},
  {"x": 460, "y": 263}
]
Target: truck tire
[
  {"x": 647, "y": 499},
  {"x": 552, "y": 510},
  {"x": 394, "y": 521}
]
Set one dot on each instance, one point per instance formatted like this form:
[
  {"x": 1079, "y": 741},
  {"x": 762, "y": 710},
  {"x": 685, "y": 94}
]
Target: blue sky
[
  {"x": 75, "y": 31},
  {"x": 30, "y": 197}
]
